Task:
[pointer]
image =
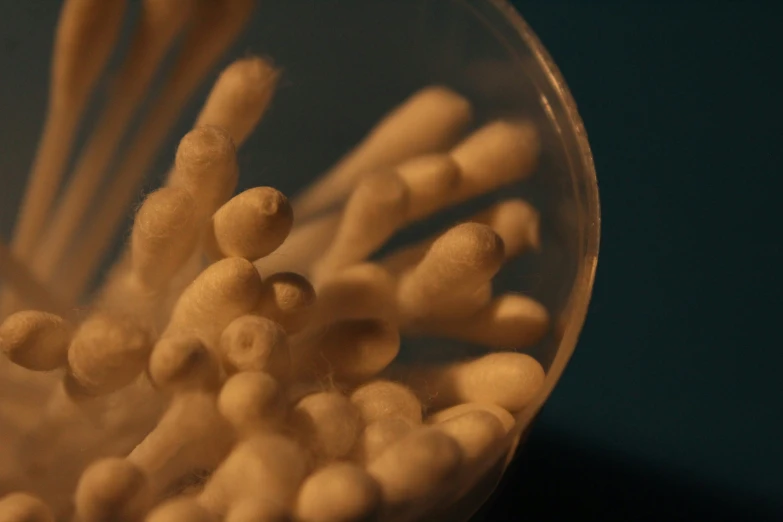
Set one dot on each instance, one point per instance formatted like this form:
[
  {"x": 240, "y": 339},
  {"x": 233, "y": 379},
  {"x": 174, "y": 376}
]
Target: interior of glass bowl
[{"x": 344, "y": 65}]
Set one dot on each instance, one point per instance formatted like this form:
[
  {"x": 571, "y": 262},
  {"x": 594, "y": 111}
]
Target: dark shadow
[{"x": 554, "y": 479}]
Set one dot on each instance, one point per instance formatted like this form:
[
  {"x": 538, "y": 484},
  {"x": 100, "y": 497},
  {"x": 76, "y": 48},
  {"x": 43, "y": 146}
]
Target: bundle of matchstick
[{"x": 238, "y": 362}]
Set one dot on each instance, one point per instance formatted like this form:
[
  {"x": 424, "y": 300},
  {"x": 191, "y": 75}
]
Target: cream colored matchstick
[
  {"x": 112, "y": 489},
  {"x": 252, "y": 402},
  {"x": 383, "y": 399},
  {"x": 84, "y": 40},
  {"x": 164, "y": 236},
  {"x": 206, "y": 167},
  {"x": 224, "y": 291},
  {"x": 190, "y": 436},
  {"x": 28, "y": 289},
  {"x": 379, "y": 436},
  {"x": 252, "y": 343},
  {"x": 340, "y": 492},
  {"x": 107, "y": 353},
  {"x": 509, "y": 321},
  {"x": 514, "y": 220},
  {"x": 180, "y": 510},
  {"x": 507, "y": 379},
  {"x": 478, "y": 433},
  {"x": 431, "y": 180},
  {"x": 302, "y": 247},
  {"x": 23, "y": 507},
  {"x": 240, "y": 97},
  {"x": 499, "y": 153},
  {"x": 287, "y": 299},
  {"x": 266, "y": 468},
  {"x": 160, "y": 22},
  {"x": 429, "y": 121},
  {"x": 415, "y": 469},
  {"x": 364, "y": 291},
  {"x": 376, "y": 209},
  {"x": 328, "y": 424},
  {"x": 251, "y": 225},
  {"x": 216, "y": 26},
  {"x": 505, "y": 418},
  {"x": 351, "y": 350},
  {"x": 37, "y": 341},
  {"x": 183, "y": 363},
  {"x": 458, "y": 263}
]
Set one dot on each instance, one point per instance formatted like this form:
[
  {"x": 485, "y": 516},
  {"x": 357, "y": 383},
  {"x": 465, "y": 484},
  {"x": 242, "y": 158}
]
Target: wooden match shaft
[
  {"x": 161, "y": 21},
  {"x": 217, "y": 24},
  {"x": 86, "y": 33},
  {"x": 429, "y": 121}
]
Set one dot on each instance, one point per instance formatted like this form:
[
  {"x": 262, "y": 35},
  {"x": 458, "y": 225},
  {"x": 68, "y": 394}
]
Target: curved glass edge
[{"x": 584, "y": 177}]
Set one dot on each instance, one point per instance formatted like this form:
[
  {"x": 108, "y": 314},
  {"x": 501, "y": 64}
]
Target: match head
[
  {"x": 252, "y": 343},
  {"x": 340, "y": 491},
  {"x": 35, "y": 340},
  {"x": 328, "y": 422},
  {"x": 206, "y": 166},
  {"x": 471, "y": 245},
  {"x": 505, "y": 418},
  {"x": 386, "y": 399},
  {"x": 182, "y": 363},
  {"x": 240, "y": 96},
  {"x": 253, "y": 224},
  {"x": 251, "y": 401},
  {"x": 289, "y": 300},
  {"x": 23, "y": 507},
  {"x": 112, "y": 489},
  {"x": 107, "y": 353}
]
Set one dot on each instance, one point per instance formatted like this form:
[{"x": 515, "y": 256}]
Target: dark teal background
[{"x": 672, "y": 407}]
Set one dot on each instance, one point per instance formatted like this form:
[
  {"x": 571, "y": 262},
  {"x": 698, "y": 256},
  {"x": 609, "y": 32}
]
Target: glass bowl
[{"x": 345, "y": 63}]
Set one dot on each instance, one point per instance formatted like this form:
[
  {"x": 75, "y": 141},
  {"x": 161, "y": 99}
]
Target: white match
[
  {"x": 107, "y": 353},
  {"x": 23, "y": 507},
  {"x": 340, "y": 492},
  {"x": 497, "y": 154},
  {"x": 376, "y": 209},
  {"x": 478, "y": 433},
  {"x": 37, "y": 341},
  {"x": 159, "y": 24},
  {"x": 251, "y": 225},
  {"x": 429, "y": 121},
  {"x": 416, "y": 469},
  {"x": 287, "y": 299},
  {"x": 267, "y": 469},
  {"x": 223, "y": 292},
  {"x": 350, "y": 350},
  {"x": 183, "y": 363},
  {"x": 216, "y": 25},
  {"x": 431, "y": 180},
  {"x": 508, "y": 322},
  {"x": 206, "y": 167},
  {"x": 240, "y": 97},
  {"x": 84, "y": 40},
  {"x": 112, "y": 489},
  {"x": 505, "y": 418},
  {"x": 164, "y": 236},
  {"x": 252, "y": 402},
  {"x": 383, "y": 399},
  {"x": 507, "y": 379},
  {"x": 190, "y": 436},
  {"x": 328, "y": 423},
  {"x": 378, "y": 436},
  {"x": 458, "y": 263},
  {"x": 251, "y": 343}
]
